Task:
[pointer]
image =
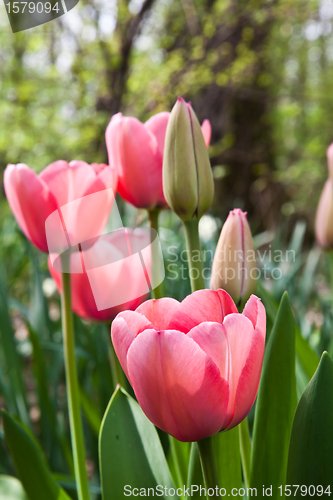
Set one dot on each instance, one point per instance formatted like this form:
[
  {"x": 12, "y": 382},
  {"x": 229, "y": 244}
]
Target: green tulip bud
[{"x": 187, "y": 175}]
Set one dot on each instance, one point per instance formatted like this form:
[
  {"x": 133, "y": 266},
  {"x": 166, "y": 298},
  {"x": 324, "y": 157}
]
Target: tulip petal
[
  {"x": 247, "y": 346},
  {"x": 125, "y": 327},
  {"x": 83, "y": 301},
  {"x": 31, "y": 202},
  {"x": 213, "y": 340},
  {"x": 200, "y": 306},
  {"x": 178, "y": 386},
  {"x": 81, "y": 193},
  {"x": 228, "y": 306},
  {"x": 109, "y": 178},
  {"x": 133, "y": 150},
  {"x": 69, "y": 182},
  {"x": 106, "y": 266},
  {"x": 159, "y": 312},
  {"x": 323, "y": 225},
  {"x": 255, "y": 311},
  {"x": 206, "y": 130},
  {"x": 157, "y": 124}
]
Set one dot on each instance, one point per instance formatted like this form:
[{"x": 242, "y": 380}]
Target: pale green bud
[{"x": 188, "y": 183}]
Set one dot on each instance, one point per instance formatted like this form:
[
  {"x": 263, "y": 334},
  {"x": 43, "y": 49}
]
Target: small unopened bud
[
  {"x": 324, "y": 216},
  {"x": 234, "y": 266},
  {"x": 187, "y": 175}
]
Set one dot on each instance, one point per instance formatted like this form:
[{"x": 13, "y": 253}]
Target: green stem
[
  {"x": 194, "y": 254},
  {"x": 245, "y": 450},
  {"x": 73, "y": 394},
  {"x": 158, "y": 292},
  {"x": 208, "y": 466}
]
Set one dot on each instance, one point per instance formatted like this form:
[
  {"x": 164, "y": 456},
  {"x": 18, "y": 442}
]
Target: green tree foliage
[{"x": 259, "y": 70}]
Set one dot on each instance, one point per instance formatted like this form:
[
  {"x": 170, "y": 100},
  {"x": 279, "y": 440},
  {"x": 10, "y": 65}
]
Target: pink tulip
[
  {"x": 194, "y": 366},
  {"x": 33, "y": 197},
  {"x": 107, "y": 273},
  {"x": 136, "y": 151},
  {"x": 324, "y": 215},
  {"x": 234, "y": 265},
  {"x": 206, "y": 131}
]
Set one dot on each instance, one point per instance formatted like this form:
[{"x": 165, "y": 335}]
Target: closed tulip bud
[
  {"x": 234, "y": 265},
  {"x": 187, "y": 175},
  {"x": 324, "y": 216}
]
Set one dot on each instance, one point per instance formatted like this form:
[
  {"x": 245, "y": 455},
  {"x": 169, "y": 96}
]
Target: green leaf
[
  {"x": 130, "y": 451},
  {"x": 90, "y": 411},
  {"x": 29, "y": 463},
  {"x": 310, "y": 460},
  {"x": 50, "y": 430},
  {"x": 178, "y": 460},
  {"x": 276, "y": 404},
  {"x": 271, "y": 307},
  {"x": 11, "y": 489},
  {"x": 195, "y": 476},
  {"x": 227, "y": 459},
  {"x": 38, "y": 313},
  {"x": 11, "y": 362},
  {"x": 306, "y": 354}
]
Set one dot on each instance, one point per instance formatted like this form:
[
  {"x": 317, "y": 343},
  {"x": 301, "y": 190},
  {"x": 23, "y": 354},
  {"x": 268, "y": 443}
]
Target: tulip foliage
[{"x": 195, "y": 394}]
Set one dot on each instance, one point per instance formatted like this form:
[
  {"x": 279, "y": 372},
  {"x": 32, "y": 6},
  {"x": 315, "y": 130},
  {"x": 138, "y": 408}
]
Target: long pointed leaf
[
  {"x": 11, "y": 361},
  {"x": 195, "y": 478},
  {"x": 131, "y": 454},
  {"x": 227, "y": 458},
  {"x": 29, "y": 463},
  {"x": 310, "y": 459},
  {"x": 276, "y": 404}
]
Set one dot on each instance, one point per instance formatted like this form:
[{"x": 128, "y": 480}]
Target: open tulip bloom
[
  {"x": 88, "y": 288},
  {"x": 33, "y": 198},
  {"x": 194, "y": 366}
]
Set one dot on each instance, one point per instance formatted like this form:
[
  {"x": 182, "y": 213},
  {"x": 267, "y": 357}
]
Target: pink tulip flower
[
  {"x": 33, "y": 197},
  {"x": 136, "y": 151},
  {"x": 324, "y": 215},
  {"x": 194, "y": 366},
  {"x": 108, "y": 269}
]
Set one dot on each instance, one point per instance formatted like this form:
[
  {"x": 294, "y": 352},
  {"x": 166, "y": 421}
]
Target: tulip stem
[
  {"x": 208, "y": 466},
  {"x": 245, "y": 449},
  {"x": 194, "y": 254},
  {"x": 157, "y": 292},
  {"x": 73, "y": 394}
]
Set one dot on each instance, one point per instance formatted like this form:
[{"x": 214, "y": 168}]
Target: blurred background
[{"x": 260, "y": 70}]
